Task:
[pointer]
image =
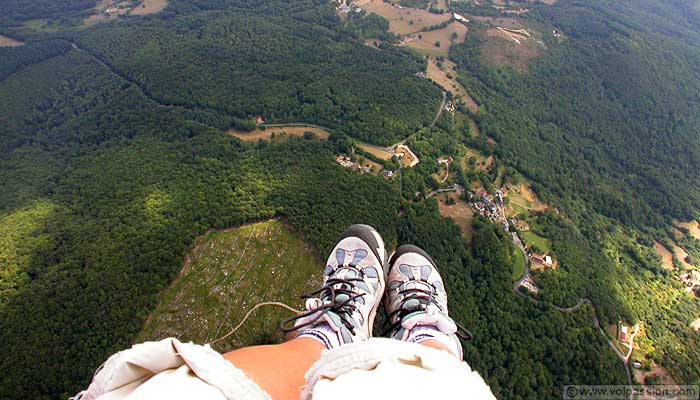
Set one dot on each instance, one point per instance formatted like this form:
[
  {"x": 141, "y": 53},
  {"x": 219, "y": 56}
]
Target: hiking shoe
[
  {"x": 343, "y": 310},
  {"x": 416, "y": 301}
]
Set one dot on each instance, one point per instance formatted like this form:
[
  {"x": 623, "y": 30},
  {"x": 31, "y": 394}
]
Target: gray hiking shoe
[
  {"x": 416, "y": 301},
  {"x": 343, "y": 310}
]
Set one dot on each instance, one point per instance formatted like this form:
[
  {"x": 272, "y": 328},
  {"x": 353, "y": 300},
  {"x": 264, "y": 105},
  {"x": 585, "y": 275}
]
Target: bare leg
[
  {"x": 278, "y": 369},
  {"x": 353, "y": 271},
  {"x": 436, "y": 345}
]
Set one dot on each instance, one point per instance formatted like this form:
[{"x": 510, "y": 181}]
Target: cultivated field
[
  {"x": 9, "y": 42},
  {"x": 225, "y": 275},
  {"x": 425, "y": 42},
  {"x": 403, "y": 21},
  {"x": 149, "y": 7},
  {"x": 665, "y": 254},
  {"x": 522, "y": 200},
  {"x": 518, "y": 36},
  {"x": 460, "y": 212},
  {"x": 279, "y": 133},
  {"x": 439, "y": 75}
]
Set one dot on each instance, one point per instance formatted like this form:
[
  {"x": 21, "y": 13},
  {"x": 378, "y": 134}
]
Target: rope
[{"x": 248, "y": 314}]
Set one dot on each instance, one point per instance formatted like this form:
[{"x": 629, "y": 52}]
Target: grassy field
[
  {"x": 42, "y": 25},
  {"x": 279, "y": 132},
  {"x": 532, "y": 239},
  {"x": 425, "y": 42},
  {"x": 445, "y": 76},
  {"x": 518, "y": 265},
  {"x": 225, "y": 275},
  {"x": 460, "y": 212},
  {"x": 403, "y": 21},
  {"x": 461, "y": 120}
]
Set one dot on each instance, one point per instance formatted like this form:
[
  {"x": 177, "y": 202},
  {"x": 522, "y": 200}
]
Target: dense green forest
[
  {"x": 16, "y": 11},
  {"x": 112, "y": 160},
  {"x": 524, "y": 350},
  {"x": 622, "y": 144},
  {"x": 605, "y": 126},
  {"x": 118, "y": 212},
  {"x": 241, "y": 62},
  {"x": 111, "y": 216}
]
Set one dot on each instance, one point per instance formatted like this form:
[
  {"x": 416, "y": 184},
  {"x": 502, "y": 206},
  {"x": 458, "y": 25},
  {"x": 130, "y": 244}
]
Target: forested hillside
[
  {"x": 608, "y": 121},
  {"x": 239, "y": 62},
  {"x": 606, "y": 126},
  {"x": 17, "y": 11},
  {"x": 113, "y": 158}
]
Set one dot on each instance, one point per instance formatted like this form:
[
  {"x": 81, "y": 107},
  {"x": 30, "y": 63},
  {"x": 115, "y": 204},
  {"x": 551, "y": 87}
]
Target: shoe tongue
[{"x": 431, "y": 317}]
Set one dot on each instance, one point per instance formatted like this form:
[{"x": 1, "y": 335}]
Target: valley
[{"x": 169, "y": 165}]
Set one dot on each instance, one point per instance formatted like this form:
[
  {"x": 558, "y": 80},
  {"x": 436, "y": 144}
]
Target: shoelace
[
  {"x": 329, "y": 292},
  {"x": 424, "y": 298}
]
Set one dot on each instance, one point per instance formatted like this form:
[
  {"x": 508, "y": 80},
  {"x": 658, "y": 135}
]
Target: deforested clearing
[{"x": 278, "y": 133}]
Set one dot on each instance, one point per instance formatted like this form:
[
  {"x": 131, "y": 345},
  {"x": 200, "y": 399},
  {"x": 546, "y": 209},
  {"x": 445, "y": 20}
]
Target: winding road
[{"x": 581, "y": 302}]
